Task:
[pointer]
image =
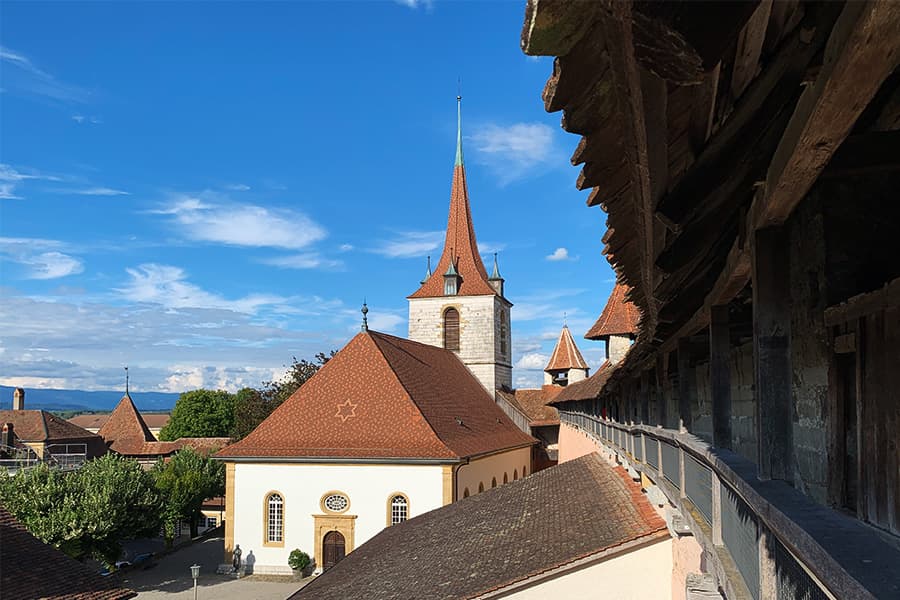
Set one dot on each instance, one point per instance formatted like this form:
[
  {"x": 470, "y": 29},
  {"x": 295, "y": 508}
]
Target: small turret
[
  {"x": 427, "y": 272},
  {"x": 451, "y": 280},
  {"x": 495, "y": 279}
]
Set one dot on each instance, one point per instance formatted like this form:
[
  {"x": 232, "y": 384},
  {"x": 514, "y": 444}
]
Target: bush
[{"x": 298, "y": 560}]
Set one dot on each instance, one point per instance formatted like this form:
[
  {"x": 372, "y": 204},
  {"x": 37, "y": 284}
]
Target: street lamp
[{"x": 195, "y": 573}]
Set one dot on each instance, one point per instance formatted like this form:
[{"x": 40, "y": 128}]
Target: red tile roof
[
  {"x": 125, "y": 432},
  {"x": 587, "y": 389},
  {"x": 152, "y": 420},
  {"x": 566, "y": 354},
  {"x": 385, "y": 397},
  {"x": 461, "y": 246},
  {"x": 29, "y": 568},
  {"x": 619, "y": 317},
  {"x": 534, "y": 403},
  {"x": 490, "y": 541},
  {"x": 42, "y": 426}
]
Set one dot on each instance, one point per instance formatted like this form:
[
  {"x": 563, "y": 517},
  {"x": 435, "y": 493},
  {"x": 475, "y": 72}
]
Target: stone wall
[{"x": 479, "y": 333}]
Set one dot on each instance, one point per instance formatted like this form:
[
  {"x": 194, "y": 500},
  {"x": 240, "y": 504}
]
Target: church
[{"x": 389, "y": 428}]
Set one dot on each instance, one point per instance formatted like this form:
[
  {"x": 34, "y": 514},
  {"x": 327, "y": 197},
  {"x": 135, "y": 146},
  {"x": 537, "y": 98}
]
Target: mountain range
[{"x": 80, "y": 400}]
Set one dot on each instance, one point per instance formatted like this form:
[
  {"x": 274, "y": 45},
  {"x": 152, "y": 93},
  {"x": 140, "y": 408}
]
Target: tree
[
  {"x": 252, "y": 407},
  {"x": 200, "y": 413},
  {"x": 185, "y": 481},
  {"x": 86, "y": 513}
]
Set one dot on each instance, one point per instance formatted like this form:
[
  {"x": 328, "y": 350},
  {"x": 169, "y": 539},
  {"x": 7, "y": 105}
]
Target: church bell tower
[{"x": 458, "y": 306}]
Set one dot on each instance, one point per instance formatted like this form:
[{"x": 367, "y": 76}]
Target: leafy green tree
[
  {"x": 86, "y": 513},
  {"x": 252, "y": 407},
  {"x": 185, "y": 481},
  {"x": 200, "y": 413}
]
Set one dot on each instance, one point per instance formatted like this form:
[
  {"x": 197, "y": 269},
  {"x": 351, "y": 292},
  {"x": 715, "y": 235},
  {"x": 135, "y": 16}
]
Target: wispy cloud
[
  {"x": 409, "y": 244},
  {"x": 169, "y": 286},
  {"x": 24, "y": 76},
  {"x": 237, "y": 187},
  {"x": 560, "y": 254},
  {"x": 308, "y": 260},
  {"x": 414, "y": 4},
  {"x": 82, "y": 119},
  {"x": 41, "y": 258},
  {"x": 12, "y": 177},
  {"x": 210, "y": 217},
  {"x": 515, "y": 151},
  {"x": 94, "y": 191}
]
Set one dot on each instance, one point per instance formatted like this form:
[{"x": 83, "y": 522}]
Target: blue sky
[{"x": 202, "y": 191}]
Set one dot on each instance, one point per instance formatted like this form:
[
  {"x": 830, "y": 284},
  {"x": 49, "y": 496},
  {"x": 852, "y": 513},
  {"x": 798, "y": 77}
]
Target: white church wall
[
  {"x": 483, "y": 470},
  {"x": 479, "y": 331},
  {"x": 642, "y": 574},
  {"x": 302, "y": 486}
]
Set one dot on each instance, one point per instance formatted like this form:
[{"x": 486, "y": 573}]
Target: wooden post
[
  {"x": 772, "y": 353},
  {"x": 645, "y": 398},
  {"x": 684, "y": 383},
  {"x": 661, "y": 396},
  {"x": 720, "y": 375}
]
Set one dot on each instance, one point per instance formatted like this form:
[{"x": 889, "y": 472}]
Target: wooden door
[{"x": 332, "y": 549}]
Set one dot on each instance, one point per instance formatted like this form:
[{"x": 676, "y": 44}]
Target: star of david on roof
[{"x": 346, "y": 410}]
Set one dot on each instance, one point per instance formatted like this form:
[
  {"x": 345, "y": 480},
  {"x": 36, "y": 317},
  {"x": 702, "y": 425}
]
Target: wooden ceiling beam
[
  {"x": 749, "y": 48},
  {"x": 862, "y": 51}
]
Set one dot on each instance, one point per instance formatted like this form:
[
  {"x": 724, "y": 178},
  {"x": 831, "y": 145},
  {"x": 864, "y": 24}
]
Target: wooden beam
[
  {"x": 553, "y": 27},
  {"x": 862, "y": 51},
  {"x": 720, "y": 375},
  {"x": 772, "y": 354},
  {"x": 749, "y": 48},
  {"x": 704, "y": 108},
  {"x": 871, "y": 152}
]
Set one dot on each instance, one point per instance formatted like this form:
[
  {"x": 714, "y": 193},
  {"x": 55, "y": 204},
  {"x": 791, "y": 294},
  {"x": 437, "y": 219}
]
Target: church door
[{"x": 332, "y": 549}]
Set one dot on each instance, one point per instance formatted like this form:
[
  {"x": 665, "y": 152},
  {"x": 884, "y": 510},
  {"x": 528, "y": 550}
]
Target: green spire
[
  {"x": 496, "y": 272},
  {"x": 459, "y": 152}
]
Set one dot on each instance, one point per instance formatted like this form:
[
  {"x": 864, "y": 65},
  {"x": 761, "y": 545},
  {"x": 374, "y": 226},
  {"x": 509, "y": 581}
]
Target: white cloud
[
  {"x": 488, "y": 248},
  {"x": 237, "y": 187},
  {"x": 11, "y": 177},
  {"x": 81, "y": 119},
  {"x": 384, "y": 321},
  {"x": 26, "y": 77},
  {"x": 515, "y": 151},
  {"x": 208, "y": 217},
  {"x": 560, "y": 254},
  {"x": 409, "y": 244},
  {"x": 533, "y": 361},
  {"x": 310, "y": 260},
  {"x": 414, "y": 4},
  {"x": 7, "y": 192},
  {"x": 52, "y": 265},
  {"x": 168, "y": 286},
  {"x": 345, "y": 247},
  {"x": 95, "y": 191}
]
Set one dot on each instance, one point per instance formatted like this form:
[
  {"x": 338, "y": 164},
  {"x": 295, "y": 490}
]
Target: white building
[{"x": 389, "y": 428}]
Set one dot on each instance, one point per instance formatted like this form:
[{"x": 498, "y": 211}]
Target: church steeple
[{"x": 460, "y": 238}]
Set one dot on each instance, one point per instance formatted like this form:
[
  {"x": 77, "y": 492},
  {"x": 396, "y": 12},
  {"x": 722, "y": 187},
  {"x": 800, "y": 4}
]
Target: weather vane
[
  {"x": 126, "y": 380},
  {"x": 365, "y": 311}
]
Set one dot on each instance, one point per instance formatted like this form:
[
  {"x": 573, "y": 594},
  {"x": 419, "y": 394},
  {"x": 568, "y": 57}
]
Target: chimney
[
  {"x": 9, "y": 437},
  {"x": 19, "y": 399}
]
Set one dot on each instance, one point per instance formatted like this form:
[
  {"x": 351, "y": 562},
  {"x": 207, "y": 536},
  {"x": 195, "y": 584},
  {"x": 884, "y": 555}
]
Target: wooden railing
[{"x": 766, "y": 539}]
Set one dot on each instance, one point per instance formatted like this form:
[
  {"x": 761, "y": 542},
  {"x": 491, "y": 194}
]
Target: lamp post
[{"x": 195, "y": 573}]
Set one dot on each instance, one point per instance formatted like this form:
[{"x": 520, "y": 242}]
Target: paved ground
[{"x": 169, "y": 578}]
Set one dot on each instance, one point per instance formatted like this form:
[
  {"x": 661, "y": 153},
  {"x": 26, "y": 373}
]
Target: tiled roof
[
  {"x": 587, "y": 389},
  {"x": 385, "y": 397},
  {"x": 497, "y": 538},
  {"x": 459, "y": 244},
  {"x": 30, "y": 568},
  {"x": 619, "y": 317},
  {"x": 42, "y": 426},
  {"x": 152, "y": 420},
  {"x": 534, "y": 403},
  {"x": 566, "y": 354},
  {"x": 125, "y": 431}
]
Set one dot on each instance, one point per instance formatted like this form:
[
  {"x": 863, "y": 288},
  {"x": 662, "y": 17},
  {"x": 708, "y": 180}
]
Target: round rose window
[{"x": 336, "y": 502}]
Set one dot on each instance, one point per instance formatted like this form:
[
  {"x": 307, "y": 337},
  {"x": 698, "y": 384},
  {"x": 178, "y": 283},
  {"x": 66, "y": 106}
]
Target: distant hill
[{"x": 79, "y": 400}]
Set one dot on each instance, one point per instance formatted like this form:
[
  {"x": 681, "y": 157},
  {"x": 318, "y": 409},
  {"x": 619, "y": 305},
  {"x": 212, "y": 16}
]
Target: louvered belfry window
[{"x": 451, "y": 329}]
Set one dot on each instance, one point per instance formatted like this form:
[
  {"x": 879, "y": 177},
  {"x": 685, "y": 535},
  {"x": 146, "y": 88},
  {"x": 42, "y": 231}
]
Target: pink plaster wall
[
  {"x": 574, "y": 443},
  {"x": 686, "y": 555}
]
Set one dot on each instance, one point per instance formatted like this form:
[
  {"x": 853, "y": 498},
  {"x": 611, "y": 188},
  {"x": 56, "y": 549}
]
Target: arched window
[
  {"x": 493, "y": 482},
  {"x": 466, "y": 493},
  {"x": 451, "y": 329},
  {"x": 480, "y": 487},
  {"x": 505, "y": 478},
  {"x": 399, "y": 509},
  {"x": 515, "y": 474},
  {"x": 274, "y": 519}
]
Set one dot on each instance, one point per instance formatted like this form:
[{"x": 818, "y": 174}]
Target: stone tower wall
[
  {"x": 479, "y": 333},
  {"x": 617, "y": 347}
]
